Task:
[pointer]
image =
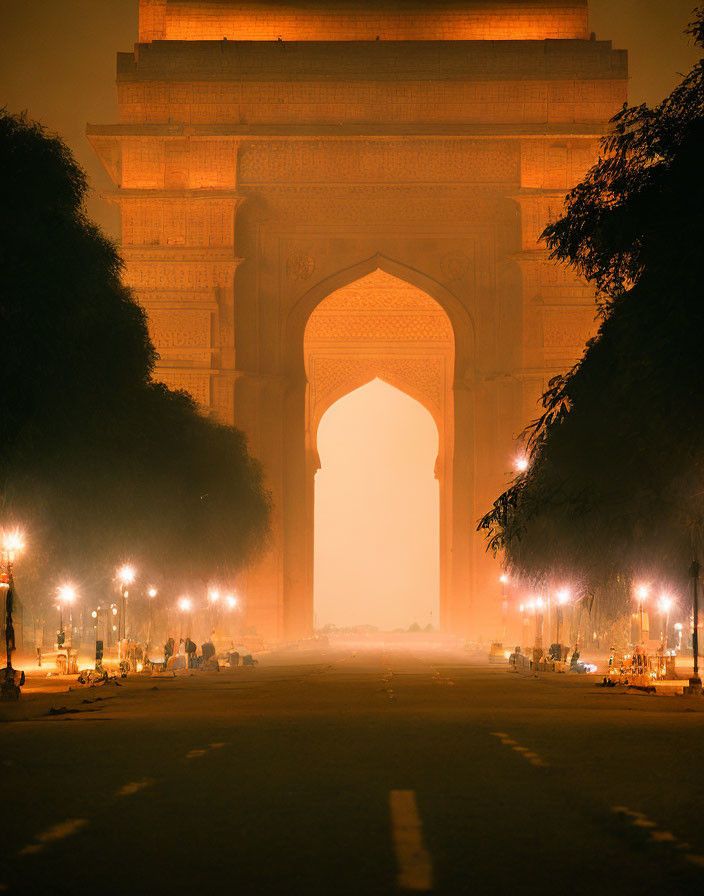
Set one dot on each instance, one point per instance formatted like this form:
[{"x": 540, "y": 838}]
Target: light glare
[
  {"x": 642, "y": 591},
  {"x": 67, "y": 594},
  {"x": 12, "y": 541},
  {"x": 126, "y": 575}
]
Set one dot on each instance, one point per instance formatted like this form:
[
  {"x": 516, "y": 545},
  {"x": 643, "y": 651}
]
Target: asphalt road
[{"x": 351, "y": 771}]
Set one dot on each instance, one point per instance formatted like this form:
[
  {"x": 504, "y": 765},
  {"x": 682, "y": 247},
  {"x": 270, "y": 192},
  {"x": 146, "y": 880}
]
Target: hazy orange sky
[{"x": 377, "y": 515}]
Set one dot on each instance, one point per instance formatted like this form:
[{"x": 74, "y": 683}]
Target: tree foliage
[
  {"x": 615, "y": 485},
  {"x": 97, "y": 462}
]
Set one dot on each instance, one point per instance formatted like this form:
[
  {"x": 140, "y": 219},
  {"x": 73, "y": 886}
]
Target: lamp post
[
  {"x": 642, "y": 592},
  {"x": 695, "y": 682},
  {"x": 12, "y": 544},
  {"x": 503, "y": 578},
  {"x": 231, "y": 602},
  {"x": 563, "y": 596},
  {"x": 151, "y": 594},
  {"x": 214, "y": 602},
  {"x": 184, "y": 606},
  {"x": 66, "y": 595},
  {"x": 539, "y": 604},
  {"x": 665, "y": 606},
  {"x": 125, "y": 576}
]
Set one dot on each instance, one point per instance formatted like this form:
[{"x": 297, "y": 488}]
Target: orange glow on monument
[
  {"x": 407, "y": 180},
  {"x": 361, "y": 20}
]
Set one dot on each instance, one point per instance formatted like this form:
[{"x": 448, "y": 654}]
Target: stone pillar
[
  {"x": 297, "y": 514},
  {"x": 457, "y": 616}
]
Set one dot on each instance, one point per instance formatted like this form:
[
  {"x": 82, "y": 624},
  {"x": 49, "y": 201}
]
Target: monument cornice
[
  {"x": 402, "y": 132},
  {"x": 134, "y": 193},
  {"x": 370, "y": 60}
]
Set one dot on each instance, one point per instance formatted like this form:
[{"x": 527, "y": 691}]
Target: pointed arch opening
[
  {"x": 379, "y": 357},
  {"x": 377, "y": 514}
]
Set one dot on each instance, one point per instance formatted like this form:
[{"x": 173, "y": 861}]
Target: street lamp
[
  {"x": 184, "y": 605},
  {"x": 126, "y": 576},
  {"x": 521, "y": 463},
  {"x": 695, "y": 682},
  {"x": 539, "y": 604},
  {"x": 665, "y": 605},
  {"x": 642, "y": 592},
  {"x": 563, "y": 595},
  {"x": 151, "y": 593},
  {"x": 67, "y": 595},
  {"x": 12, "y": 544},
  {"x": 503, "y": 578}
]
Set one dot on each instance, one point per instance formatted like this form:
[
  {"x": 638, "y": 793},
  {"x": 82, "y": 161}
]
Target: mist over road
[{"x": 344, "y": 770}]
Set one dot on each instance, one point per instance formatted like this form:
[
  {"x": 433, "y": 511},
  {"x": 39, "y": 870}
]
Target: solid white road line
[{"x": 415, "y": 868}]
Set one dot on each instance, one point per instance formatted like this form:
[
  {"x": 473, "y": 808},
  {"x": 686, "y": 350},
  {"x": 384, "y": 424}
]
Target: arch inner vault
[{"x": 382, "y": 327}]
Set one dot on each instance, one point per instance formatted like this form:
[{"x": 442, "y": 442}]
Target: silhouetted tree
[
  {"x": 615, "y": 486},
  {"x": 98, "y": 463}
]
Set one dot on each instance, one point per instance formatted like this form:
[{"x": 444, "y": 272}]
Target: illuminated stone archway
[
  {"x": 383, "y": 327},
  {"x": 260, "y": 174}
]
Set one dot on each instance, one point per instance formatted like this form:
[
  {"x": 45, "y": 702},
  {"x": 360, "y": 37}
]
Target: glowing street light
[
  {"x": 125, "y": 575},
  {"x": 539, "y": 604},
  {"x": 152, "y": 592},
  {"x": 67, "y": 595},
  {"x": 184, "y": 604},
  {"x": 563, "y": 595},
  {"x": 665, "y": 605},
  {"x": 695, "y": 681},
  {"x": 521, "y": 464},
  {"x": 213, "y": 595},
  {"x": 642, "y": 592},
  {"x": 231, "y": 602},
  {"x": 503, "y": 578},
  {"x": 12, "y": 544}
]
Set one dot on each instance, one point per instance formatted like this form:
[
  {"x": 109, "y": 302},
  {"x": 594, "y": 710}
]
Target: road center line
[
  {"x": 57, "y": 832},
  {"x": 195, "y": 754},
  {"x": 415, "y": 869},
  {"x": 133, "y": 787}
]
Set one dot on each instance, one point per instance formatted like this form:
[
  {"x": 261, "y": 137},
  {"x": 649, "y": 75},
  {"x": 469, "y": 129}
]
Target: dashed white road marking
[
  {"x": 195, "y": 754},
  {"x": 441, "y": 679},
  {"x": 641, "y": 820},
  {"x": 133, "y": 787},
  {"x": 57, "y": 832},
  {"x": 663, "y": 836},
  {"x": 217, "y": 745},
  {"x": 508, "y": 741},
  {"x": 415, "y": 868}
]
